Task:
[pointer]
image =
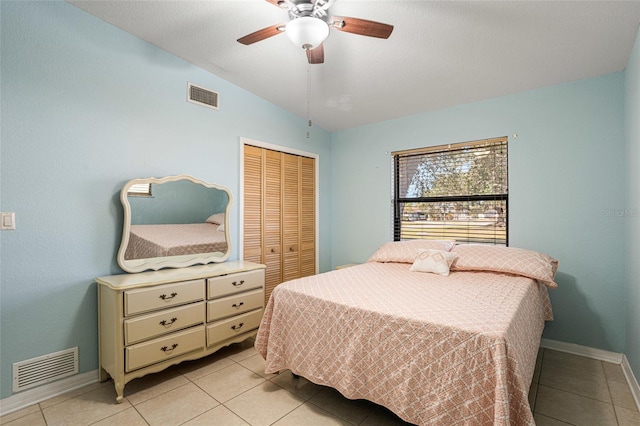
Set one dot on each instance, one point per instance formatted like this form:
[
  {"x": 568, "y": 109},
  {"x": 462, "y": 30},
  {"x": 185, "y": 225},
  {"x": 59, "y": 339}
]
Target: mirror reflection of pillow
[
  {"x": 221, "y": 228},
  {"x": 216, "y": 219},
  {"x": 434, "y": 261}
]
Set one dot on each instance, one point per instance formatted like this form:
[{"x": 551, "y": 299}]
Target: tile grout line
[
  {"x": 535, "y": 398},
  {"x": 535, "y": 401},
  {"x": 577, "y": 394},
  {"x": 613, "y": 405}
]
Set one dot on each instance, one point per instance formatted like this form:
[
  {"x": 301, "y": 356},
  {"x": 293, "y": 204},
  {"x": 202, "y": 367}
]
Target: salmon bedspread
[{"x": 441, "y": 350}]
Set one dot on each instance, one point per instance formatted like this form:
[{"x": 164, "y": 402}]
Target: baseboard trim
[
  {"x": 33, "y": 396},
  {"x": 586, "y": 351},
  {"x": 601, "y": 355},
  {"x": 631, "y": 379}
]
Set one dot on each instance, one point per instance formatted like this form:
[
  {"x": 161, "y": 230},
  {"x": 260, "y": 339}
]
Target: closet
[{"x": 279, "y": 214}]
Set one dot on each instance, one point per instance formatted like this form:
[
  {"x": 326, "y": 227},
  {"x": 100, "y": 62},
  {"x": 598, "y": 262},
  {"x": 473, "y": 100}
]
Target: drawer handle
[
  {"x": 237, "y": 284},
  {"x": 237, "y": 327},
  {"x": 166, "y": 323},
  {"x": 166, "y": 349},
  {"x": 167, "y": 298},
  {"x": 237, "y": 305}
]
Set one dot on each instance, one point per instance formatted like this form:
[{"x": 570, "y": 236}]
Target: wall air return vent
[
  {"x": 44, "y": 369},
  {"x": 201, "y": 96}
]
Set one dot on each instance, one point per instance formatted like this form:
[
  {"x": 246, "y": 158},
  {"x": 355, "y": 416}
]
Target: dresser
[{"x": 151, "y": 320}]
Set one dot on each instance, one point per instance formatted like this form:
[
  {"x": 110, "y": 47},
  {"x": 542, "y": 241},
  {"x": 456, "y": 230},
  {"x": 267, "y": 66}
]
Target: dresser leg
[{"x": 119, "y": 392}]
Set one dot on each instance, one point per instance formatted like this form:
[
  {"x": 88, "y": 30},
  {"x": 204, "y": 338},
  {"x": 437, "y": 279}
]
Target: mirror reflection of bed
[
  {"x": 175, "y": 219},
  {"x": 162, "y": 240}
]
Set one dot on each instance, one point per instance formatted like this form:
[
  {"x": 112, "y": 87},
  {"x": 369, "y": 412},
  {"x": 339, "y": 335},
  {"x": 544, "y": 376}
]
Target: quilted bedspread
[
  {"x": 437, "y": 350},
  {"x": 148, "y": 241}
]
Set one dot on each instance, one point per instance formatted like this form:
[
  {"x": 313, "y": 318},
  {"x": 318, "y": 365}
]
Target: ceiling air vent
[
  {"x": 201, "y": 96},
  {"x": 44, "y": 369}
]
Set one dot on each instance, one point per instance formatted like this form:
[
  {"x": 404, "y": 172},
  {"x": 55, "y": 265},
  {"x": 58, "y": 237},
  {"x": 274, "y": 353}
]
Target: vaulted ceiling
[{"x": 440, "y": 54}]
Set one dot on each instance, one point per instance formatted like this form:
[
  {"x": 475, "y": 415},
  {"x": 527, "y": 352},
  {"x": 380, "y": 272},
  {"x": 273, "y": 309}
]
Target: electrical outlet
[{"x": 8, "y": 221}]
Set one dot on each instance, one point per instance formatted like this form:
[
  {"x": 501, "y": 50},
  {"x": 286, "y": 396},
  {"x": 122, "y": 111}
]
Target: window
[
  {"x": 140, "y": 190},
  {"x": 453, "y": 192}
]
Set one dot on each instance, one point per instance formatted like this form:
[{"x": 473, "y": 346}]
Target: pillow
[
  {"x": 435, "y": 261},
  {"x": 221, "y": 228},
  {"x": 511, "y": 260},
  {"x": 406, "y": 251},
  {"x": 216, "y": 219}
]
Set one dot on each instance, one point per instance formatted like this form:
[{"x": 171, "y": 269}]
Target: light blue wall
[
  {"x": 565, "y": 177},
  {"x": 632, "y": 124},
  {"x": 85, "y": 108}
]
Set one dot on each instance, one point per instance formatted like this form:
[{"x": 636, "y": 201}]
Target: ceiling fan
[{"x": 309, "y": 26}]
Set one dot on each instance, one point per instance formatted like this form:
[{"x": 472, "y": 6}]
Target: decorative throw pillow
[
  {"x": 511, "y": 260},
  {"x": 434, "y": 261},
  {"x": 216, "y": 219},
  {"x": 406, "y": 251}
]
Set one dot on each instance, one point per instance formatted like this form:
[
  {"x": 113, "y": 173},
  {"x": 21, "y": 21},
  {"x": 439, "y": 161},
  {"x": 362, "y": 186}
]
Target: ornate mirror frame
[{"x": 137, "y": 259}]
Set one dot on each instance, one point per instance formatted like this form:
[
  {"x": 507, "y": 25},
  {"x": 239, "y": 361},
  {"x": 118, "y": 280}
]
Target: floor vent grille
[
  {"x": 201, "y": 96},
  {"x": 44, "y": 369}
]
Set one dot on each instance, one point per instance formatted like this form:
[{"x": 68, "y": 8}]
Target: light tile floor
[{"x": 230, "y": 388}]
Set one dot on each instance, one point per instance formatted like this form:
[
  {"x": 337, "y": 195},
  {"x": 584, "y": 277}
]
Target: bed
[
  {"x": 150, "y": 241},
  {"x": 437, "y": 334}
]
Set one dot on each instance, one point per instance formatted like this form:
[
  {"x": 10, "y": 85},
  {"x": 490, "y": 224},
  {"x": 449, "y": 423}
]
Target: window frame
[
  {"x": 140, "y": 190},
  {"x": 398, "y": 201}
]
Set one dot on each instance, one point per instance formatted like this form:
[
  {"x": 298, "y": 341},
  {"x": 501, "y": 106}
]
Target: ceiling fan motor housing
[{"x": 301, "y": 8}]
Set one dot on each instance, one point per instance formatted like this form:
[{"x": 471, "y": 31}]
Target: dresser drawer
[
  {"x": 235, "y": 304},
  {"x": 233, "y": 283},
  {"x": 164, "y": 348},
  {"x": 230, "y": 327},
  {"x": 162, "y": 296},
  {"x": 145, "y": 327}
]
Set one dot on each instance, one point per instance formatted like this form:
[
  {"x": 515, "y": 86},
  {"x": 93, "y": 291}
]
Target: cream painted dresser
[{"x": 151, "y": 320}]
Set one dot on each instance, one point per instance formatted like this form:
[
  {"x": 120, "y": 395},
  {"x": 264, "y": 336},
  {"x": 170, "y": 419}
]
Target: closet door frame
[{"x": 240, "y": 197}]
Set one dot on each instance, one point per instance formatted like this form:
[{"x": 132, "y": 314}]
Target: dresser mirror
[{"x": 173, "y": 222}]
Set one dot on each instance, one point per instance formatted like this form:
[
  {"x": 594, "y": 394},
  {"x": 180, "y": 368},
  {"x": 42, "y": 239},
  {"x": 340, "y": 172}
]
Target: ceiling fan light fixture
[{"x": 307, "y": 32}]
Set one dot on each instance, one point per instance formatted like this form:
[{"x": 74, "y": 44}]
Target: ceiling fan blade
[
  {"x": 316, "y": 56},
  {"x": 361, "y": 26},
  {"x": 275, "y": 2},
  {"x": 261, "y": 34}
]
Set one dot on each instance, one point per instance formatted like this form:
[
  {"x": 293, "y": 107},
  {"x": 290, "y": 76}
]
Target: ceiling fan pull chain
[{"x": 308, "y": 115}]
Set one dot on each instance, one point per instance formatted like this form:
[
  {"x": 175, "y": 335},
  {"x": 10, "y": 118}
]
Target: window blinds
[
  {"x": 140, "y": 189},
  {"x": 453, "y": 192}
]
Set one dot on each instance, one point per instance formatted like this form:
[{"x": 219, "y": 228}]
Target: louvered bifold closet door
[
  {"x": 271, "y": 227},
  {"x": 290, "y": 217},
  {"x": 279, "y": 214},
  {"x": 307, "y": 217},
  {"x": 253, "y": 167}
]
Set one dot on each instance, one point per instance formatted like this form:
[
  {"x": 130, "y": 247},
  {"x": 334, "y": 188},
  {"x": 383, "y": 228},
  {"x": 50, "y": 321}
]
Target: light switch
[{"x": 8, "y": 221}]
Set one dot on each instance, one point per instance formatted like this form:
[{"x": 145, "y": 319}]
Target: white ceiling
[{"x": 440, "y": 54}]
